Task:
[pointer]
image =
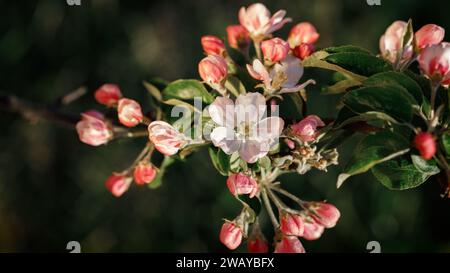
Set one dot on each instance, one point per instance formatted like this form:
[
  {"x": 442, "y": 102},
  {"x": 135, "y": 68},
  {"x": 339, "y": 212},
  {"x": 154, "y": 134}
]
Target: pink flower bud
[
  {"x": 429, "y": 35},
  {"x": 166, "y": 139},
  {"x": 213, "y": 69},
  {"x": 391, "y": 43},
  {"x": 305, "y": 129},
  {"x": 426, "y": 145},
  {"x": 238, "y": 37},
  {"x": 292, "y": 224},
  {"x": 434, "y": 61},
  {"x": 240, "y": 183},
  {"x": 92, "y": 128},
  {"x": 144, "y": 173},
  {"x": 108, "y": 94},
  {"x": 303, "y": 50},
  {"x": 312, "y": 230},
  {"x": 118, "y": 184},
  {"x": 230, "y": 235},
  {"x": 212, "y": 45},
  {"x": 324, "y": 214},
  {"x": 129, "y": 112},
  {"x": 289, "y": 244},
  {"x": 290, "y": 143},
  {"x": 275, "y": 50},
  {"x": 303, "y": 33}
]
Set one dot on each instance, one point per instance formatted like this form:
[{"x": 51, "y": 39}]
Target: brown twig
[{"x": 34, "y": 112}]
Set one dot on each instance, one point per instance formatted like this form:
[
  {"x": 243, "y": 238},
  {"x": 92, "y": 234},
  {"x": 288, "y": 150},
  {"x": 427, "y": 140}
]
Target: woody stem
[{"x": 269, "y": 209}]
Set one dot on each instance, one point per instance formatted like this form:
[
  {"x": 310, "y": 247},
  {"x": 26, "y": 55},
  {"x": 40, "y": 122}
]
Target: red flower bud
[
  {"x": 324, "y": 214},
  {"x": 108, "y": 94},
  {"x": 306, "y": 129},
  {"x": 426, "y": 145},
  {"x": 240, "y": 183},
  {"x": 118, "y": 184},
  {"x": 275, "y": 50},
  {"x": 238, "y": 37},
  {"x": 129, "y": 112},
  {"x": 212, "y": 45},
  {"x": 289, "y": 244},
  {"x": 292, "y": 224},
  {"x": 144, "y": 173},
  {"x": 303, "y": 50},
  {"x": 213, "y": 69},
  {"x": 92, "y": 129},
  {"x": 303, "y": 33},
  {"x": 230, "y": 235}
]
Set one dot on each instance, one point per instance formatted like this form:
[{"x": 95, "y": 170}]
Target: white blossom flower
[{"x": 241, "y": 126}]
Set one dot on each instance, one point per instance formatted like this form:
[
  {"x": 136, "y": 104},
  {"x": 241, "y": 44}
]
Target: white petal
[
  {"x": 270, "y": 128},
  {"x": 222, "y": 111},
  {"x": 225, "y": 139},
  {"x": 253, "y": 150},
  {"x": 250, "y": 107}
]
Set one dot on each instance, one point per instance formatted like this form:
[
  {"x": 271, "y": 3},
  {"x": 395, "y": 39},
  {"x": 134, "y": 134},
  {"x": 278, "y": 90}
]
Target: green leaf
[
  {"x": 157, "y": 182},
  {"x": 393, "y": 100},
  {"x": 235, "y": 162},
  {"x": 408, "y": 37},
  {"x": 341, "y": 86},
  {"x": 428, "y": 167},
  {"x": 372, "y": 150},
  {"x": 359, "y": 63},
  {"x": 399, "y": 174},
  {"x": 153, "y": 90},
  {"x": 316, "y": 60},
  {"x": 368, "y": 116},
  {"x": 220, "y": 160},
  {"x": 187, "y": 90},
  {"x": 346, "y": 48},
  {"x": 393, "y": 78},
  {"x": 264, "y": 162},
  {"x": 235, "y": 86}
]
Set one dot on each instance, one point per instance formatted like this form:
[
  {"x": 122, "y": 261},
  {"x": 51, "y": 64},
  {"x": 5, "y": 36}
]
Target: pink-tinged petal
[
  {"x": 428, "y": 35},
  {"x": 277, "y": 22},
  {"x": 289, "y": 244},
  {"x": 222, "y": 111},
  {"x": 243, "y": 17},
  {"x": 434, "y": 61},
  {"x": 92, "y": 129},
  {"x": 252, "y": 150},
  {"x": 270, "y": 128},
  {"x": 303, "y": 33},
  {"x": 230, "y": 235},
  {"x": 287, "y": 73},
  {"x": 391, "y": 41},
  {"x": 257, "y": 15},
  {"x": 225, "y": 139},
  {"x": 250, "y": 107},
  {"x": 166, "y": 138},
  {"x": 259, "y": 72},
  {"x": 275, "y": 50},
  {"x": 312, "y": 230}
]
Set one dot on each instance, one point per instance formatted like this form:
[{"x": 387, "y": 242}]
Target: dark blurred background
[{"x": 52, "y": 186}]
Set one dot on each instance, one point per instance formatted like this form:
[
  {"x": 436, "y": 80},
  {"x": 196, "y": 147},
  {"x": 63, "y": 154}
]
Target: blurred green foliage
[{"x": 52, "y": 186}]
